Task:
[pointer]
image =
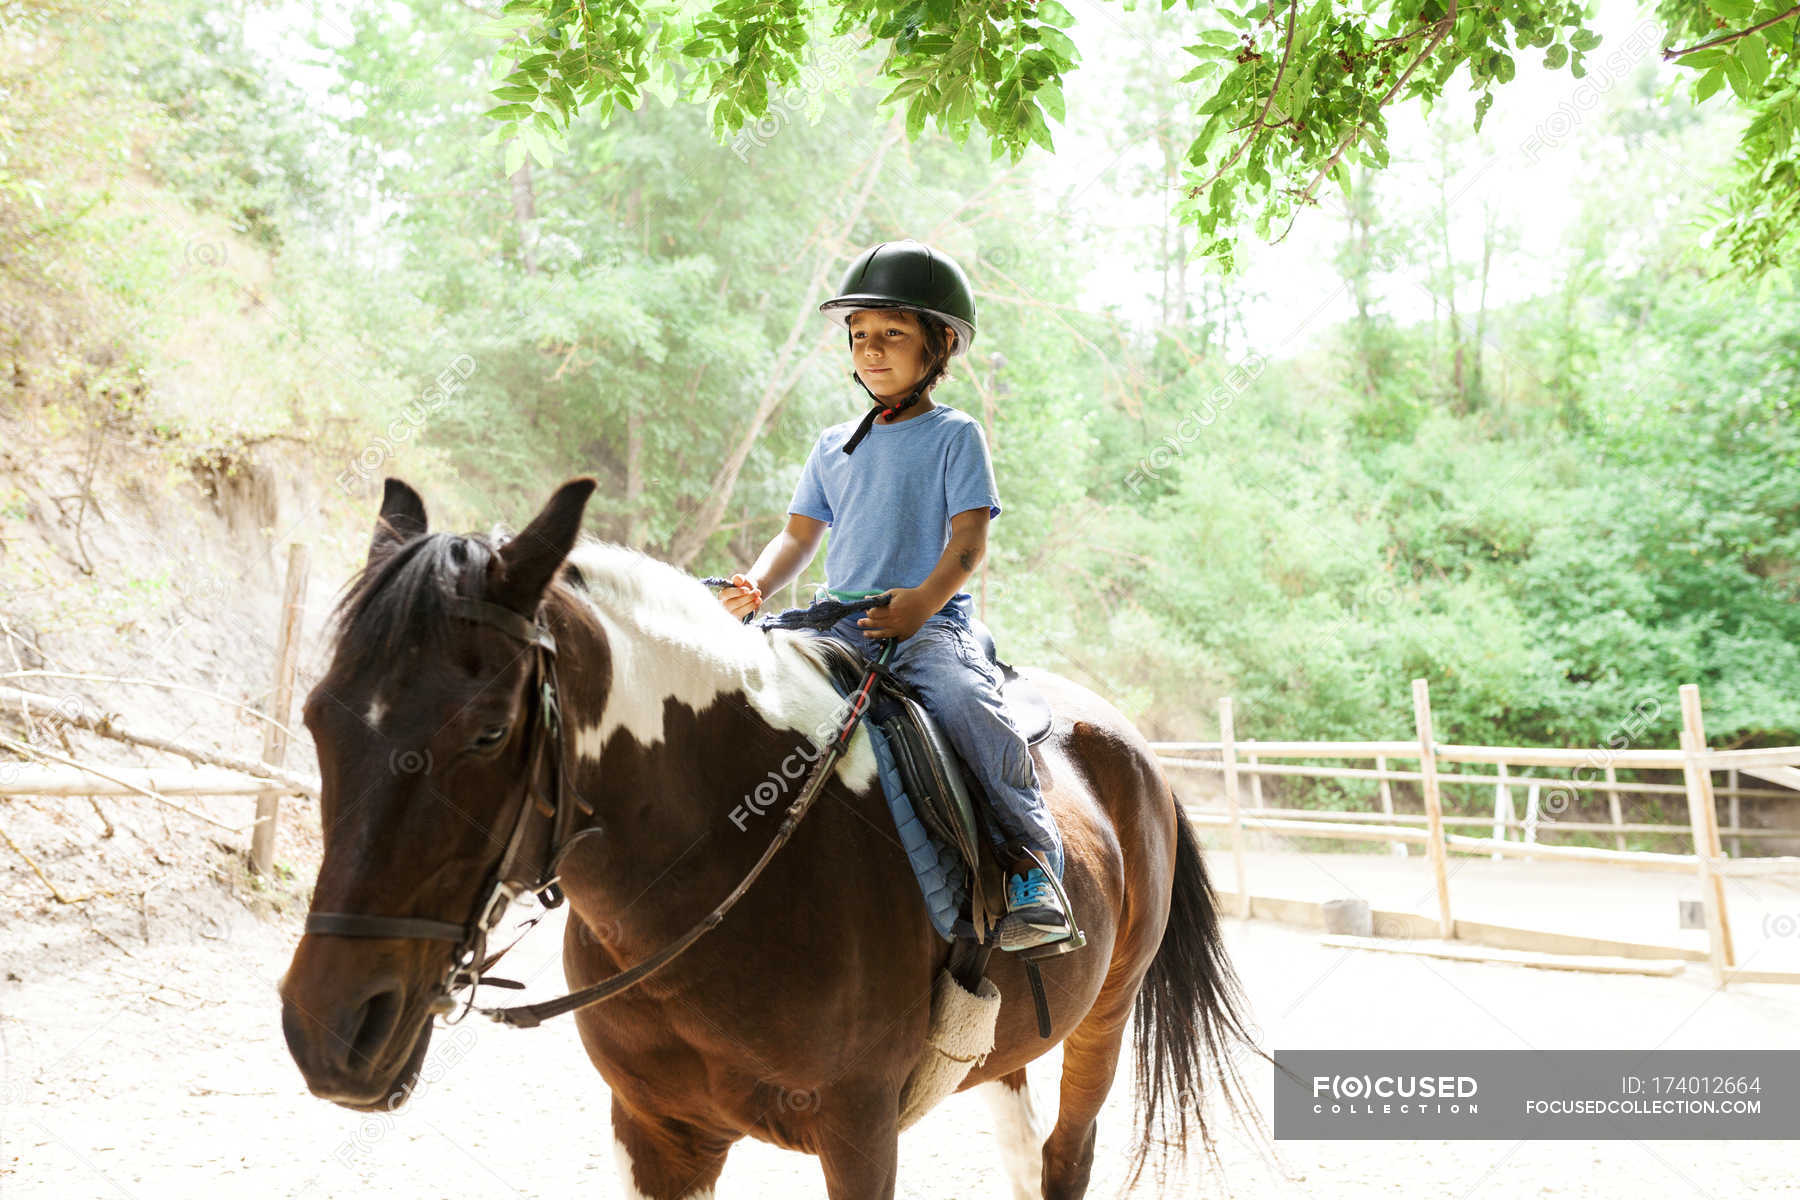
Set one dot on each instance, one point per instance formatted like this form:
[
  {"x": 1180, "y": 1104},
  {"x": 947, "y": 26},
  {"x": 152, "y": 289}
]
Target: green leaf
[
  {"x": 1052, "y": 13},
  {"x": 1059, "y": 43},
  {"x": 1753, "y": 53},
  {"x": 1703, "y": 59},
  {"x": 515, "y": 157},
  {"x": 1209, "y": 133},
  {"x": 1050, "y": 97},
  {"x": 535, "y": 143},
  {"x": 1556, "y": 56},
  {"x": 961, "y": 104},
  {"x": 1585, "y": 39},
  {"x": 905, "y": 88},
  {"x": 1228, "y": 92},
  {"x": 516, "y": 93},
  {"x": 1737, "y": 77},
  {"x": 1709, "y": 83},
  {"x": 509, "y": 112},
  {"x": 1733, "y": 10}
]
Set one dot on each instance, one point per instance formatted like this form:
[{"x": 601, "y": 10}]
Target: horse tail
[{"x": 1189, "y": 1010}]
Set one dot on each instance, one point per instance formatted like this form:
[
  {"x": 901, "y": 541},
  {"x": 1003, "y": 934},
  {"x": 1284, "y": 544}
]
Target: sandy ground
[{"x": 159, "y": 1070}]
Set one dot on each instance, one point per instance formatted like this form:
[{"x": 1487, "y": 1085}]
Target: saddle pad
[{"x": 943, "y": 880}]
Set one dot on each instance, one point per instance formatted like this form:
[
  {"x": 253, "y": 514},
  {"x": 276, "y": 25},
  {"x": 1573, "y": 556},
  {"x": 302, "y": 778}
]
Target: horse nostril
[{"x": 373, "y": 1023}]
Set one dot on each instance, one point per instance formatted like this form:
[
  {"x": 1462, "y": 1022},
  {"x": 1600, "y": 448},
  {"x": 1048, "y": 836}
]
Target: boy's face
[{"x": 887, "y": 348}]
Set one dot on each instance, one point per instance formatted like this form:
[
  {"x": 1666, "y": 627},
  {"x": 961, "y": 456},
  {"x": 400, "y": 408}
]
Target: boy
[{"x": 909, "y": 491}]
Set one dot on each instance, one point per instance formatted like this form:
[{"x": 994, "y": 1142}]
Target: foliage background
[{"x": 1550, "y": 506}]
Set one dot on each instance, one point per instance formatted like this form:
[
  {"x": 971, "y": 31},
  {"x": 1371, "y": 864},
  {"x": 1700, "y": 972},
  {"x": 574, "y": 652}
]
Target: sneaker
[{"x": 1034, "y": 915}]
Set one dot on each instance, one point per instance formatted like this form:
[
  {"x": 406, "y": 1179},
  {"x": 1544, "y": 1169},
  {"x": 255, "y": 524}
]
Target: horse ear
[
  {"x": 523, "y": 567},
  {"x": 402, "y": 517}
]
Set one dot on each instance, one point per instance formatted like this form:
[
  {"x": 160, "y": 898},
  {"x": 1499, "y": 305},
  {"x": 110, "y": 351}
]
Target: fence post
[
  {"x": 1434, "y": 805},
  {"x": 1531, "y": 815},
  {"x": 1256, "y": 793},
  {"x": 281, "y": 700},
  {"x": 1397, "y": 849},
  {"x": 1612, "y": 805},
  {"x": 1737, "y": 812},
  {"x": 1228, "y": 751},
  {"x": 1705, "y": 820},
  {"x": 1503, "y": 809}
]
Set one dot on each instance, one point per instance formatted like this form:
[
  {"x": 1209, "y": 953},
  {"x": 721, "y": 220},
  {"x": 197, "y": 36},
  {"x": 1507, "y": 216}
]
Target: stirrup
[{"x": 1075, "y": 939}]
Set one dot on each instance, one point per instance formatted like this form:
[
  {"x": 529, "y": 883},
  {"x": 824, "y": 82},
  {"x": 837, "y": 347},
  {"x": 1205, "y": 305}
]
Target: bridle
[
  {"x": 470, "y": 959},
  {"x": 544, "y": 733}
]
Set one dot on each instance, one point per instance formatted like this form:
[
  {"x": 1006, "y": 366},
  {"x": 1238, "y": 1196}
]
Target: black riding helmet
[{"x": 911, "y": 276}]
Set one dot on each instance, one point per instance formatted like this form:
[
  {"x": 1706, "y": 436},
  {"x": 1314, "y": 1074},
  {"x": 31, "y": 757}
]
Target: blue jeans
[{"x": 961, "y": 689}]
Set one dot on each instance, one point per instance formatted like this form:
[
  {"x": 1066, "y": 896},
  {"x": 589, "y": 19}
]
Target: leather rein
[{"x": 470, "y": 959}]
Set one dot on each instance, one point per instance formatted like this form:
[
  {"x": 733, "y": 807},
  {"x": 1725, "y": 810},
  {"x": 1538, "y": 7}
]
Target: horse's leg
[
  {"x": 1019, "y": 1128},
  {"x": 1090, "y": 1060},
  {"x": 857, "y": 1138},
  {"x": 661, "y": 1159}
]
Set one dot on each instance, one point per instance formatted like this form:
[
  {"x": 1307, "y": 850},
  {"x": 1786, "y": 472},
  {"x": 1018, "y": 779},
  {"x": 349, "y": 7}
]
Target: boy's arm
[
  {"x": 911, "y": 607},
  {"x": 782, "y": 559}
]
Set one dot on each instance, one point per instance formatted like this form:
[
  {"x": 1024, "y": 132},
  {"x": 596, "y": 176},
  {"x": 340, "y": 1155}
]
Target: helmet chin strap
[{"x": 884, "y": 408}]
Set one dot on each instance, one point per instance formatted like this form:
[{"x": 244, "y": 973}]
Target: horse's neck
[{"x": 690, "y": 753}]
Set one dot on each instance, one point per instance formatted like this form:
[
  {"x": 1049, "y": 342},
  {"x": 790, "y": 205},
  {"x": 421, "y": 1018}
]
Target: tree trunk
[
  {"x": 634, "y": 478},
  {"x": 524, "y": 205},
  {"x": 701, "y": 526},
  {"x": 1456, "y": 334},
  {"x": 1488, "y": 234}
]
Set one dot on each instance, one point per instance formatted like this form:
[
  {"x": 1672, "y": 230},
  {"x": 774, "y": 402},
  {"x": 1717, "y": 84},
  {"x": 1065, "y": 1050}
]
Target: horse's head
[{"x": 427, "y": 726}]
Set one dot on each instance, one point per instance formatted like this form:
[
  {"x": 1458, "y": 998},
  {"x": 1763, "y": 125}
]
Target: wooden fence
[{"x": 1239, "y": 759}]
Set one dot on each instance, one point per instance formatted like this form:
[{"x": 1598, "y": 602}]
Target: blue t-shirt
[{"x": 889, "y": 505}]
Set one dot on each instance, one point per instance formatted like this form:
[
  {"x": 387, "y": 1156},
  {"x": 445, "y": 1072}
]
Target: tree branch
[
  {"x": 1256, "y": 126},
  {"x": 701, "y": 526},
  {"x": 1443, "y": 30},
  {"x": 1672, "y": 55}
]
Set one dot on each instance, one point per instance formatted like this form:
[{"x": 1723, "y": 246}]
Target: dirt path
[{"x": 164, "y": 1074}]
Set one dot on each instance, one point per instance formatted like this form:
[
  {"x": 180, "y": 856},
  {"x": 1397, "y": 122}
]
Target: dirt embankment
[{"x": 120, "y": 559}]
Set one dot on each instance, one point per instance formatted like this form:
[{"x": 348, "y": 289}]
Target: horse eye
[{"x": 490, "y": 737}]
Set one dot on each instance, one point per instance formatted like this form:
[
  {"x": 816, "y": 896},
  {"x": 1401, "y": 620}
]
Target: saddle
[{"x": 933, "y": 796}]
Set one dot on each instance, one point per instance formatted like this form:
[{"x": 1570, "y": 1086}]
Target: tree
[{"x": 1285, "y": 94}]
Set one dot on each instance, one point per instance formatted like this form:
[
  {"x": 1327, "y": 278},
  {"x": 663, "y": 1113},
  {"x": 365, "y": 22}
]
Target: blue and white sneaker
[{"x": 1034, "y": 915}]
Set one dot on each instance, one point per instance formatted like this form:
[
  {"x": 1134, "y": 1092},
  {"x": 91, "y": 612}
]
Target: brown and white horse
[{"x": 798, "y": 1019}]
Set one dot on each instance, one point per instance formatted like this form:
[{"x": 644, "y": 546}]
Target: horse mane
[{"x": 401, "y": 598}]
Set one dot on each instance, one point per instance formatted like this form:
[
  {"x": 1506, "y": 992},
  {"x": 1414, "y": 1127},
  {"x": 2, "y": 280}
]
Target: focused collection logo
[{"x": 1372, "y": 1095}]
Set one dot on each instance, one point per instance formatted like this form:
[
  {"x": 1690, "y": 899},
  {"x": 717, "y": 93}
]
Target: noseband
[{"x": 470, "y": 958}]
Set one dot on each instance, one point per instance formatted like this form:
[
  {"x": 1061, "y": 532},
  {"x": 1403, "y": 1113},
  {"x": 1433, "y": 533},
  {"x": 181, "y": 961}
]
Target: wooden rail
[{"x": 1693, "y": 759}]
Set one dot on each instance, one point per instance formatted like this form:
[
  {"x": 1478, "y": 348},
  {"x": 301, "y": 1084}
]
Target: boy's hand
[
  {"x": 742, "y": 598},
  {"x": 901, "y": 617}
]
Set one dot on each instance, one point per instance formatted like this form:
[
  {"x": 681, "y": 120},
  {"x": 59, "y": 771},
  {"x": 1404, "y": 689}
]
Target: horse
[{"x": 799, "y": 1017}]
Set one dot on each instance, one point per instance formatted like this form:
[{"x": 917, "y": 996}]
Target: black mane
[{"x": 402, "y": 599}]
